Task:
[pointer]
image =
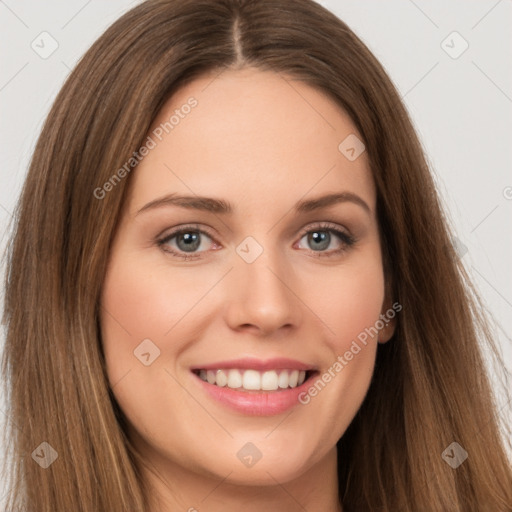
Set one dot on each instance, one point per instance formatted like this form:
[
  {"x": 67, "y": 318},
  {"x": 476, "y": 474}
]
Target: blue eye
[
  {"x": 321, "y": 237},
  {"x": 186, "y": 241}
]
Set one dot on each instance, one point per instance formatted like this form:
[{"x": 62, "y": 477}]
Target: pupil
[
  {"x": 191, "y": 241},
  {"x": 321, "y": 237}
]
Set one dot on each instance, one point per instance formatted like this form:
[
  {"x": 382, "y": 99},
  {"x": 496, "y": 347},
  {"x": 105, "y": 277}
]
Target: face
[{"x": 264, "y": 285}]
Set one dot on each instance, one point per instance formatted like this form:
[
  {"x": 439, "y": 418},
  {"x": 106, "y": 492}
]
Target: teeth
[
  {"x": 210, "y": 377},
  {"x": 253, "y": 380},
  {"x": 269, "y": 381},
  {"x": 283, "y": 380},
  {"x": 294, "y": 377},
  {"x": 221, "y": 378},
  {"x": 234, "y": 379}
]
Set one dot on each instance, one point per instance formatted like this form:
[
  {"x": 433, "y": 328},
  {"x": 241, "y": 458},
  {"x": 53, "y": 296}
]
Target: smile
[
  {"x": 255, "y": 387},
  {"x": 253, "y": 380}
]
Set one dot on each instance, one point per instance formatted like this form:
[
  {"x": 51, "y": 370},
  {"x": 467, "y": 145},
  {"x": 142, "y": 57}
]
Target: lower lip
[{"x": 256, "y": 403}]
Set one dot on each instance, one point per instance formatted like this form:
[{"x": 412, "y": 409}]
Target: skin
[{"x": 262, "y": 142}]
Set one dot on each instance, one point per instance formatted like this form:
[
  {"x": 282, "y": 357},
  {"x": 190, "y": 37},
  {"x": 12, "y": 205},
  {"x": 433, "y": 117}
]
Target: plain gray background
[{"x": 460, "y": 100}]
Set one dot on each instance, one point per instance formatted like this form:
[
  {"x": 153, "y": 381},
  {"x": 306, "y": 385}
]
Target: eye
[
  {"x": 320, "y": 238},
  {"x": 184, "y": 242}
]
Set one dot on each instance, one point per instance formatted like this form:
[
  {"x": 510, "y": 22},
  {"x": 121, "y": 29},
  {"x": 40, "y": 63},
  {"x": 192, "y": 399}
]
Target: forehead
[{"x": 248, "y": 135}]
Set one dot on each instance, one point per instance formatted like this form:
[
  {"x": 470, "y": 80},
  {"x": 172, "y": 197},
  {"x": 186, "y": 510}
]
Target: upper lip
[{"x": 250, "y": 363}]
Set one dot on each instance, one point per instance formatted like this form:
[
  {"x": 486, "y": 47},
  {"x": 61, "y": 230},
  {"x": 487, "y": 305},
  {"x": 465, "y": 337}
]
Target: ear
[{"x": 388, "y": 319}]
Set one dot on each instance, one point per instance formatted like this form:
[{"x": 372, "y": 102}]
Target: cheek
[
  {"x": 137, "y": 309},
  {"x": 174, "y": 309},
  {"x": 140, "y": 305},
  {"x": 141, "y": 301},
  {"x": 349, "y": 302}
]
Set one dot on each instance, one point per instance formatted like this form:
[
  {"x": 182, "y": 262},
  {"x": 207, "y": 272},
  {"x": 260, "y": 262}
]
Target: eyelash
[{"x": 346, "y": 239}]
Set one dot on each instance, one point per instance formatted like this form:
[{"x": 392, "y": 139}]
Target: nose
[{"x": 261, "y": 296}]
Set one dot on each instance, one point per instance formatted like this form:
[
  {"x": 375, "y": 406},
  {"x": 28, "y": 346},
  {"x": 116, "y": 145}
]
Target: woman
[{"x": 231, "y": 284}]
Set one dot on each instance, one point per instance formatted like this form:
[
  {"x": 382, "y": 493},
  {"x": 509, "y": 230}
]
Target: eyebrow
[{"x": 210, "y": 204}]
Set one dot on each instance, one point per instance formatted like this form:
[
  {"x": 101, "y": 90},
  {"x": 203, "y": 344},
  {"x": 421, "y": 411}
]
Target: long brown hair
[{"x": 430, "y": 386}]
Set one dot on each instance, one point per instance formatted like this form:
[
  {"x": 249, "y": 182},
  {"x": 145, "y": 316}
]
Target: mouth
[
  {"x": 253, "y": 387},
  {"x": 252, "y": 380}
]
